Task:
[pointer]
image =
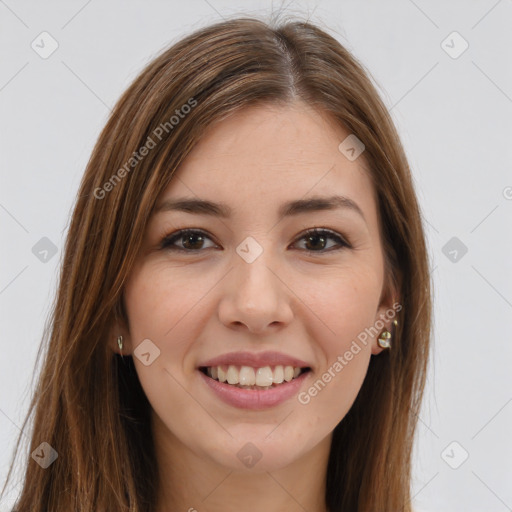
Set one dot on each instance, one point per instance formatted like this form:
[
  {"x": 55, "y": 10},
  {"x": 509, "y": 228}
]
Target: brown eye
[
  {"x": 191, "y": 240},
  {"x": 316, "y": 240}
]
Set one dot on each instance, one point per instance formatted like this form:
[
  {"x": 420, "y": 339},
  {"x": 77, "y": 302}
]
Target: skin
[{"x": 197, "y": 305}]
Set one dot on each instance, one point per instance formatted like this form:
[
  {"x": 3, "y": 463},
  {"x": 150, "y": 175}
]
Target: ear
[{"x": 387, "y": 312}]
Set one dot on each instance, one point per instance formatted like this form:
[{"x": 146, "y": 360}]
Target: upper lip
[{"x": 255, "y": 359}]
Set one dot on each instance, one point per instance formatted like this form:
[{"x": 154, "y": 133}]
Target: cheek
[
  {"x": 346, "y": 309},
  {"x": 167, "y": 306},
  {"x": 159, "y": 305},
  {"x": 346, "y": 306},
  {"x": 159, "y": 300}
]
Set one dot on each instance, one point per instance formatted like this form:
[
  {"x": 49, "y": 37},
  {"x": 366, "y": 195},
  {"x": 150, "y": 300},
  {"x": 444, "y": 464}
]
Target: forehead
[{"x": 266, "y": 155}]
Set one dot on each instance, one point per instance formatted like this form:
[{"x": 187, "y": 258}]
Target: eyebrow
[{"x": 291, "y": 208}]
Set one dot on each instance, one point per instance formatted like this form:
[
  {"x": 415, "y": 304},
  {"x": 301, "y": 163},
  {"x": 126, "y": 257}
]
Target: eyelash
[{"x": 167, "y": 241}]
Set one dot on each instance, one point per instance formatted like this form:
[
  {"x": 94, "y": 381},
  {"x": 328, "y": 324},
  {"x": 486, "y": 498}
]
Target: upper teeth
[{"x": 248, "y": 376}]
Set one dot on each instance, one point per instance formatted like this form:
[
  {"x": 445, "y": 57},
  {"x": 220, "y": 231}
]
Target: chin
[
  {"x": 252, "y": 450},
  {"x": 250, "y": 459}
]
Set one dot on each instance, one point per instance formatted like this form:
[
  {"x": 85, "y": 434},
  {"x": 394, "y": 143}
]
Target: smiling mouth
[{"x": 247, "y": 377}]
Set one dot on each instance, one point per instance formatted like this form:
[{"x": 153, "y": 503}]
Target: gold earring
[
  {"x": 384, "y": 339},
  {"x": 120, "y": 342}
]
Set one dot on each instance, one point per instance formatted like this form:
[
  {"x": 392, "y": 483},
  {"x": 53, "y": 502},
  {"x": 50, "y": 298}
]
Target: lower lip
[{"x": 254, "y": 398}]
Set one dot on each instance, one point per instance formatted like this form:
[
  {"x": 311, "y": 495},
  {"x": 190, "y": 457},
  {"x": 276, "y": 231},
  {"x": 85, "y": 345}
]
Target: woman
[{"x": 243, "y": 315}]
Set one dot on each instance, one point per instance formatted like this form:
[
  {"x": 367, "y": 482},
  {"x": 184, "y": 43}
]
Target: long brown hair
[{"x": 89, "y": 405}]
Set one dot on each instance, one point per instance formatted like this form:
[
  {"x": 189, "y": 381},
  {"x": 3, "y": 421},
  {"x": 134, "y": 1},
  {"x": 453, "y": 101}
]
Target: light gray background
[{"x": 455, "y": 119}]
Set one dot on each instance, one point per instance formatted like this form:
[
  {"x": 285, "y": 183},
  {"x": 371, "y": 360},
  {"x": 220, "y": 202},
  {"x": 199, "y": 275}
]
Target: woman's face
[{"x": 252, "y": 290}]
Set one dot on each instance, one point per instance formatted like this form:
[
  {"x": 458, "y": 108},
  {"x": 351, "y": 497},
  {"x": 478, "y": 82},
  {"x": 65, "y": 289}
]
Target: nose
[{"x": 255, "y": 298}]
